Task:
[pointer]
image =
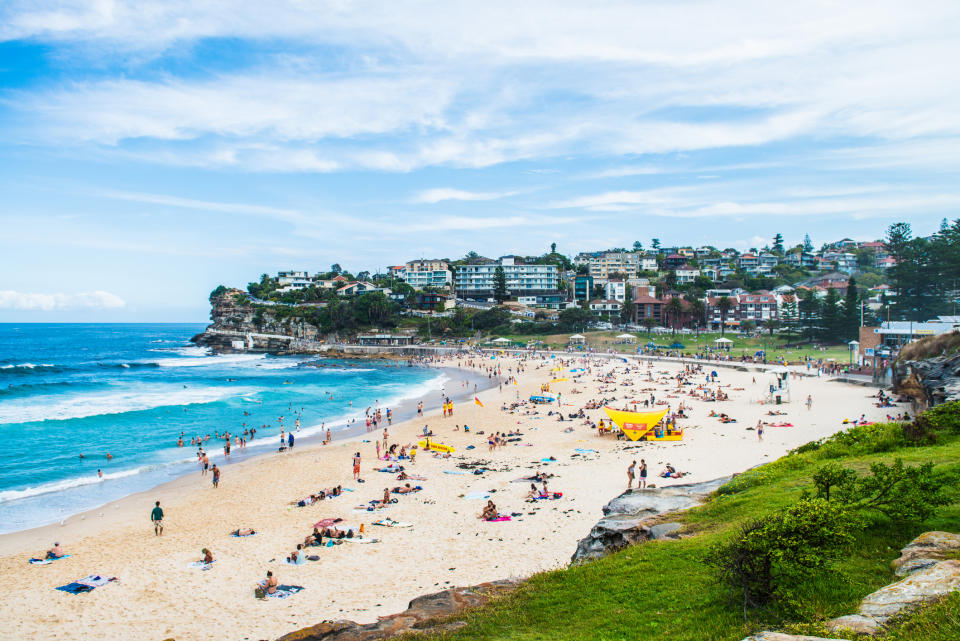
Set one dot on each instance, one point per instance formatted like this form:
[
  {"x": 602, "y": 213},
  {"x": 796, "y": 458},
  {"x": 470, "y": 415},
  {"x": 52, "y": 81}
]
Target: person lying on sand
[
  {"x": 406, "y": 488},
  {"x": 244, "y": 531},
  {"x": 489, "y": 512},
  {"x": 56, "y": 552}
]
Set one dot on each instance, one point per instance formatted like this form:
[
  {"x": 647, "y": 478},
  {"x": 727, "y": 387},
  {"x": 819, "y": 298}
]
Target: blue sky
[{"x": 150, "y": 151}]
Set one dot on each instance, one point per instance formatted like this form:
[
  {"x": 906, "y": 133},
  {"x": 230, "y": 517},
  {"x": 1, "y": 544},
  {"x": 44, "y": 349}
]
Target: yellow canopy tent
[{"x": 639, "y": 425}]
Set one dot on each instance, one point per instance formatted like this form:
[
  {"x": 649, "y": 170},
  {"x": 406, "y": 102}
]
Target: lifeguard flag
[{"x": 477, "y": 401}]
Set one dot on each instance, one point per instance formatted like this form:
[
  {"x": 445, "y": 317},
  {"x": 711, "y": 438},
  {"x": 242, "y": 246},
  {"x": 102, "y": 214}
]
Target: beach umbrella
[{"x": 677, "y": 346}]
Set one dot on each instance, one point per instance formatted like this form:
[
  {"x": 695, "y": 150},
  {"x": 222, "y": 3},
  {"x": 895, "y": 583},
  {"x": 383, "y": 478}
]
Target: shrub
[
  {"x": 771, "y": 556},
  {"x": 942, "y": 418},
  {"x": 899, "y": 492},
  {"x": 829, "y": 476}
]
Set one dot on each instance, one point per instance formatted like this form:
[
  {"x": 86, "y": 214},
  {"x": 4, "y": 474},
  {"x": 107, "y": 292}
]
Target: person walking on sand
[
  {"x": 809, "y": 401},
  {"x": 356, "y": 466},
  {"x": 630, "y": 474},
  {"x": 216, "y": 475},
  {"x": 643, "y": 475},
  {"x": 759, "y": 430},
  {"x": 156, "y": 515}
]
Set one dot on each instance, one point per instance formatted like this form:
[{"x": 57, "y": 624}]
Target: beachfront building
[
  {"x": 291, "y": 280},
  {"x": 615, "y": 289},
  {"x": 582, "y": 286},
  {"x": 605, "y": 265},
  {"x": 427, "y": 265},
  {"x": 759, "y": 307},
  {"x": 432, "y": 302},
  {"x": 606, "y": 308},
  {"x": 647, "y": 306},
  {"x": 475, "y": 279},
  {"x": 437, "y": 278},
  {"x": 361, "y": 287},
  {"x": 385, "y": 340},
  {"x": 686, "y": 274}
]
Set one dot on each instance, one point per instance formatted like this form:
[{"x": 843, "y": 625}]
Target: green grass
[
  {"x": 664, "y": 591},
  {"x": 741, "y": 346}
]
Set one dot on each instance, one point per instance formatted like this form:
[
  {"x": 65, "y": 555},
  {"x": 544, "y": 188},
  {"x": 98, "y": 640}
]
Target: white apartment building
[
  {"x": 291, "y": 280},
  {"x": 476, "y": 280},
  {"x": 615, "y": 290},
  {"x": 418, "y": 279},
  {"x": 606, "y": 264},
  {"x": 427, "y": 265},
  {"x": 686, "y": 275}
]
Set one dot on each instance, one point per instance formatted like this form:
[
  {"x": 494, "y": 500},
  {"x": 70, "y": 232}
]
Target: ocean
[{"x": 72, "y": 393}]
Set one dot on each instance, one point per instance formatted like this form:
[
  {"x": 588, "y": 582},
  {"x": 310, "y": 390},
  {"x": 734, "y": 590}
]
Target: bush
[
  {"x": 899, "y": 492},
  {"x": 942, "y": 418},
  {"x": 829, "y": 476},
  {"x": 771, "y": 556}
]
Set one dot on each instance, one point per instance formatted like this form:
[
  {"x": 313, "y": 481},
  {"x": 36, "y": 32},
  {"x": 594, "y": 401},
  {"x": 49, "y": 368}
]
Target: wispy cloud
[
  {"x": 23, "y": 301},
  {"x": 440, "y": 194}
]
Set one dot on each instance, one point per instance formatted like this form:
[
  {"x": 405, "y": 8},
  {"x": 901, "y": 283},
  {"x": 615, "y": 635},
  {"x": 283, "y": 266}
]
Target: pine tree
[
  {"x": 499, "y": 284},
  {"x": 851, "y": 312},
  {"x": 778, "y": 244},
  {"x": 807, "y": 245},
  {"x": 830, "y": 320}
]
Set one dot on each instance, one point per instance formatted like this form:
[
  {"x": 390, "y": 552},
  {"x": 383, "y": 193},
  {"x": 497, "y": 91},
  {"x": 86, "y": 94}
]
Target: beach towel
[
  {"x": 327, "y": 522},
  {"x": 288, "y": 562},
  {"x": 474, "y": 496},
  {"x": 47, "y": 561},
  {"x": 355, "y": 540},
  {"x": 551, "y": 496},
  {"x": 581, "y": 450},
  {"x": 86, "y": 584},
  {"x": 240, "y": 536},
  {"x": 201, "y": 565},
  {"x": 455, "y": 472},
  {"x": 387, "y": 522},
  {"x": 283, "y": 591},
  {"x": 781, "y": 424},
  {"x": 498, "y": 519}
]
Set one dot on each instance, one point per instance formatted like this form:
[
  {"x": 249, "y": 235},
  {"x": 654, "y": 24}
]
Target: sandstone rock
[
  {"x": 903, "y": 596},
  {"x": 779, "y": 636},
  {"x": 930, "y": 381},
  {"x": 631, "y": 517},
  {"x": 918, "y": 588},
  {"x": 665, "y": 531},
  {"x": 855, "y": 623},
  {"x": 421, "y": 614},
  {"x": 925, "y": 551}
]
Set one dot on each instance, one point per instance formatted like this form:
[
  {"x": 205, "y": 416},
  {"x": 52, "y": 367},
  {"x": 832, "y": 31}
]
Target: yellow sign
[
  {"x": 639, "y": 424},
  {"x": 436, "y": 447}
]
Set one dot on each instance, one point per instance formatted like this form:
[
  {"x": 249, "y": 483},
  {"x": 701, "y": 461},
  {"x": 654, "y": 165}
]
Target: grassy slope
[
  {"x": 662, "y": 590},
  {"x": 741, "y": 345}
]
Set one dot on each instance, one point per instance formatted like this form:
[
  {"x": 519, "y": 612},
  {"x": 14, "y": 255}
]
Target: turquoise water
[{"x": 131, "y": 390}]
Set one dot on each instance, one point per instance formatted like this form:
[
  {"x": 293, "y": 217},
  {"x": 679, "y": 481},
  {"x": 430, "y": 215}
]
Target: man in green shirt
[{"x": 157, "y": 517}]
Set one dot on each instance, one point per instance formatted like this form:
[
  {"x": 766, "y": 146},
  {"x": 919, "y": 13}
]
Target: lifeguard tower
[{"x": 778, "y": 390}]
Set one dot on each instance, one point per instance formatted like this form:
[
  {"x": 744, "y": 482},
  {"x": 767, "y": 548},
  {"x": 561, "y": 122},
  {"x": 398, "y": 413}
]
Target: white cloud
[
  {"x": 22, "y": 301},
  {"x": 440, "y": 194}
]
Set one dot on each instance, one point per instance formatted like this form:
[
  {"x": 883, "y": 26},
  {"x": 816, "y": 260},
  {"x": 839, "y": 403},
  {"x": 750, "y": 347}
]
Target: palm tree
[
  {"x": 724, "y": 305},
  {"x": 675, "y": 309},
  {"x": 698, "y": 310}
]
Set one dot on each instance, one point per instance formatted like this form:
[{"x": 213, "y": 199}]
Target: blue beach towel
[
  {"x": 580, "y": 450},
  {"x": 283, "y": 591},
  {"x": 47, "y": 561}
]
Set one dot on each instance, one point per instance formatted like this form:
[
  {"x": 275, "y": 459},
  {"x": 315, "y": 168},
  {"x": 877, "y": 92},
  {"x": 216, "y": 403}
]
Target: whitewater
[{"x": 70, "y": 395}]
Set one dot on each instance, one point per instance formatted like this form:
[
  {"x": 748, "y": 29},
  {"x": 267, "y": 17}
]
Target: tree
[
  {"x": 627, "y": 311},
  {"x": 553, "y": 248},
  {"x": 772, "y": 555},
  {"x": 829, "y": 316},
  {"x": 649, "y": 323},
  {"x": 637, "y": 246},
  {"x": 771, "y": 325},
  {"x": 724, "y": 305},
  {"x": 335, "y": 268},
  {"x": 655, "y": 243},
  {"x": 807, "y": 245},
  {"x": 698, "y": 312},
  {"x": 789, "y": 316},
  {"x": 499, "y": 284},
  {"x": 364, "y": 275},
  {"x": 747, "y": 326},
  {"x": 669, "y": 280},
  {"x": 778, "y": 244},
  {"x": 675, "y": 309},
  {"x": 574, "y": 319},
  {"x": 851, "y": 313}
]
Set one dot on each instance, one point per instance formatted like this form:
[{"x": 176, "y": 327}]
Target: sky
[{"x": 150, "y": 151}]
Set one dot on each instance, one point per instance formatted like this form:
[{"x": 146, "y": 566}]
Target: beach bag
[{"x": 260, "y": 592}]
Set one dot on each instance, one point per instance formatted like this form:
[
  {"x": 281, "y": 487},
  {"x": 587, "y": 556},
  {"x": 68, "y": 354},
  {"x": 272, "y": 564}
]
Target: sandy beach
[{"x": 159, "y": 596}]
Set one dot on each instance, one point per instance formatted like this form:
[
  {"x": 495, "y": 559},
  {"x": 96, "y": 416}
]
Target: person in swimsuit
[
  {"x": 630, "y": 474},
  {"x": 269, "y": 585},
  {"x": 643, "y": 474},
  {"x": 356, "y": 466},
  {"x": 56, "y": 552},
  {"x": 216, "y": 475}
]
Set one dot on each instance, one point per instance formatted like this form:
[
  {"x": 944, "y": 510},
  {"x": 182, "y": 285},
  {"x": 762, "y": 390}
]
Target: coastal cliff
[
  {"x": 240, "y": 324},
  {"x": 928, "y": 371}
]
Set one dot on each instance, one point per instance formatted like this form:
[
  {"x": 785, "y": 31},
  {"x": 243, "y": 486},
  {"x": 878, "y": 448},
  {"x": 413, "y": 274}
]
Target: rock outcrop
[
  {"x": 926, "y": 551},
  {"x": 636, "y": 516},
  {"x": 928, "y": 382},
  {"x": 920, "y": 586},
  {"x": 425, "y": 613}
]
